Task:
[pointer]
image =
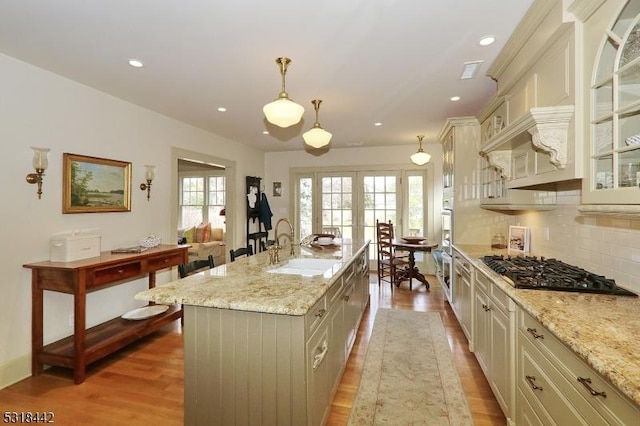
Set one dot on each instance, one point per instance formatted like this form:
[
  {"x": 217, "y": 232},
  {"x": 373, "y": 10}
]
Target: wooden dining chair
[
  {"x": 191, "y": 268},
  {"x": 243, "y": 251},
  {"x": 388, "y": 262}
]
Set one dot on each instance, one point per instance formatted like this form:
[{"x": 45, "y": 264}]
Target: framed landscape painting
[{"x": 93, "y": 185}]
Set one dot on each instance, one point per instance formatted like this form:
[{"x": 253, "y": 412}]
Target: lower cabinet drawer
[
  {"x": 315, "y": 315},
  {"x": 115, "y": 273},
  {"x": 594, "y": 392},
  {"x": 162, "y": 262},
  {"x": 542, "y": 386}
]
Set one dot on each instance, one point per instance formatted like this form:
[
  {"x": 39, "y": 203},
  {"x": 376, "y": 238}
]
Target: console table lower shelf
[
  {"x": 80, "y": 277},
  {"x": 105, "y": 338}
]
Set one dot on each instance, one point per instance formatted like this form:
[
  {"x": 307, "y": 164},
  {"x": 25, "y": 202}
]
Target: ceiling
[{"x": 396, "y": 62}]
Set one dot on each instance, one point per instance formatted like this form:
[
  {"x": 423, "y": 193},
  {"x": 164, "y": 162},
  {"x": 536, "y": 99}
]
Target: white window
[{"x": 202, "y": 199}]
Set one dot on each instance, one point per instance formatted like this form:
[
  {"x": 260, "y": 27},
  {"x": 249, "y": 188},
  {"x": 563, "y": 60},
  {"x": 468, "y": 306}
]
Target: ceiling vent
[{"x": 470, "y": 69}]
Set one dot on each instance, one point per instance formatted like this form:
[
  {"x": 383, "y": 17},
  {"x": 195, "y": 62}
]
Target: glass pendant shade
[
  {"x": 420, "y": 158},
  {"x": 283, "y": 112},
  {"x": 317, "y": 137}
]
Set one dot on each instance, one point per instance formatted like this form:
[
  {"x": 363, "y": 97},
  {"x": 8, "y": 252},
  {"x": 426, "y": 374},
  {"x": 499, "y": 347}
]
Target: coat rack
[{"x": 256, "y": 234}]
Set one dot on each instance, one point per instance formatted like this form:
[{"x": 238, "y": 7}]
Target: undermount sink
[{"x": 306, "y": 267}]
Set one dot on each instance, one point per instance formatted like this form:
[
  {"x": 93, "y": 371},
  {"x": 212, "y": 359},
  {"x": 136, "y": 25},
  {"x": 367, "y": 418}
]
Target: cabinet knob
[
  {"x": 534, "y": 333},
  {"x": 121, "y": 271},
  {"x": 320, "y": 313}
]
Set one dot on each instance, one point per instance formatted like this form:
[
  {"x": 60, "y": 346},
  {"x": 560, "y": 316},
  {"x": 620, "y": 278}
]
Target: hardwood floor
[{"x": 143, "y": 383}]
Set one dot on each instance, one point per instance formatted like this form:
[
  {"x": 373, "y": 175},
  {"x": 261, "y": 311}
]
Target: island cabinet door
[{"x": 319, "y": 386}]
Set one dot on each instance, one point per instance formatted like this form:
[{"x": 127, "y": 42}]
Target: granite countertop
[
  {"x": 603, "y": 330},
  {"x": 245, "y": 284}
]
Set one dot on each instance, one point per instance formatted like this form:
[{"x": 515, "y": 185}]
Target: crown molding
[
  {"x": 583, "y": 9},
  {"x": 524, "y": 31}
]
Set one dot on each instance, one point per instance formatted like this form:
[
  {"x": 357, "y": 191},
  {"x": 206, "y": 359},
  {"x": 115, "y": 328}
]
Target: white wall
[{"x": 38, "y": 108}]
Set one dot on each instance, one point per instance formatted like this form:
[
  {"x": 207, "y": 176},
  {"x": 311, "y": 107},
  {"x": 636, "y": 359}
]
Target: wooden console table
[{"x": 81, "y": 277}]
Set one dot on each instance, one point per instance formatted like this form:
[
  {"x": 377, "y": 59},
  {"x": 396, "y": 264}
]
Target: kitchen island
[
  {"x": 594, "y": 334},
  {"x": 267, "y": 344}
]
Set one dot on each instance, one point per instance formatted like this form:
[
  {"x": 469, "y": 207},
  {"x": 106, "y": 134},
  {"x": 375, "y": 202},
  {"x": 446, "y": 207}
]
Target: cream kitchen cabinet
[
  {"x": 529, "y": 126},
  {"x": 494, "y": 340},
  {"x": 555, "y": 387},
  {"x": 462, "y": 282},
  {"x": 612, "y": 121},
  {"x": 460, "y": 137}
]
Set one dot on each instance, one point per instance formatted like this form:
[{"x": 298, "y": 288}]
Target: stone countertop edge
[
  {"x": 602, "y": 330},
  {"x": 245, "y": 285}
]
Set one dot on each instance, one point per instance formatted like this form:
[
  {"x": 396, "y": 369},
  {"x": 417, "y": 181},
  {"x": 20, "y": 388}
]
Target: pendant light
[
  {"x": 420, "y": 158},
  {"x": 317, "y": 137},
  {"x": 283, "y": 112}
]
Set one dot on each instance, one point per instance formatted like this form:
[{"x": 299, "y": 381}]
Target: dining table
[{"x": 412, "y": 245}]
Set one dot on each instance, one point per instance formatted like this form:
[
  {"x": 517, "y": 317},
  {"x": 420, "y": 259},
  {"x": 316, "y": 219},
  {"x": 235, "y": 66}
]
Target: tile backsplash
[{"x": 599, "y": 244}]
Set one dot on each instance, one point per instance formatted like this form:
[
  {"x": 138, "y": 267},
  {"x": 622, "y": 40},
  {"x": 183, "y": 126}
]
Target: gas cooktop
[{"x": 531, "y": 272}]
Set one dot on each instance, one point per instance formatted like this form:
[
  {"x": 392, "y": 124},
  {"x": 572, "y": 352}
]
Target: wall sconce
[
  {"x": 149, "y": 175},
  {"x": 40, "y": 163}
]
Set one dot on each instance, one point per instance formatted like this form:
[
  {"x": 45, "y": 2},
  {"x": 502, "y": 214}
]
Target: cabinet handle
[
  {"x": 486, "y": 308},
  {"x": 346, "y": 298},
  {"x": 121, "y": 271},
  {"x": 320, "y": 313},
  {"x": 586, "y": 382},
  {"x": 534, "y": 333},
  {"x": 531, "y": 380},
  {"x": 318, "y": 358}
]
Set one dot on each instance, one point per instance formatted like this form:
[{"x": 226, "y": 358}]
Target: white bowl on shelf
[{"x": 150, "y": 241}]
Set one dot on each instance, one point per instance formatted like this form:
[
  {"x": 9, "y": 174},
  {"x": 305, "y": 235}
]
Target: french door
[{"x": 348, "y": 204}]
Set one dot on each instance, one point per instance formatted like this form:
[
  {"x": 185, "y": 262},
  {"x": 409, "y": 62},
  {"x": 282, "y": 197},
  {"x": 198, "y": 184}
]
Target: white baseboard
[{"x": 14, "y": 370}]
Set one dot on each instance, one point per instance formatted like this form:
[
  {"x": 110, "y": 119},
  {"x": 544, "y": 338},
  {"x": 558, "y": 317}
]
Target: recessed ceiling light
[
  {"x": 355, "y": 143},
  {"x": 470, "y": 69},
  {"x": 265, "y": 132},
  {"x": 378, "y": 124},
  {"x": 487, "y": 40},
  {"x": 455, "y": 98},
  {"x": 136, "y": 63},
  {"x": 222, "y": 109}
]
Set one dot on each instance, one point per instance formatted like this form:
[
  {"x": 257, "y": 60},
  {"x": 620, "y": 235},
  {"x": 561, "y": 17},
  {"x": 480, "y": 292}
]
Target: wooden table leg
[
  {"x": 79, "y": 333},
  {"x": 36, "y": 324}
]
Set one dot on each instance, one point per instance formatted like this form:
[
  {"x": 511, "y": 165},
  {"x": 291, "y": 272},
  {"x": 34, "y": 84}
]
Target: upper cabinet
[
  {"x": 528, "y": 129},
  {"x": 612, "y": 121}
]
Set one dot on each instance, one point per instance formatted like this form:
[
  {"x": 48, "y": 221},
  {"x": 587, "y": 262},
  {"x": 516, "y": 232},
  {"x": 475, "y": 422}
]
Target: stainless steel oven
[
  {"x": 447, "y": 230},
  {"x": 444, "y": 271}
]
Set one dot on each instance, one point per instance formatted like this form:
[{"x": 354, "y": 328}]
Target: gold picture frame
[{"x": 95, "y": 185}]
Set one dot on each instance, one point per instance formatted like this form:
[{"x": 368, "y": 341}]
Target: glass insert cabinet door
[{"x": 615, "y": 115}]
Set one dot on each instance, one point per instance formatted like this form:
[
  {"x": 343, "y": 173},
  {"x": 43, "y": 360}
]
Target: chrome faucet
[{"x": 277, "y": 243}]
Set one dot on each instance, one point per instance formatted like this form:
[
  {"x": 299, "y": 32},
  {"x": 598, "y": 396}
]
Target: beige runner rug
[{"x": 409, "y": 377}]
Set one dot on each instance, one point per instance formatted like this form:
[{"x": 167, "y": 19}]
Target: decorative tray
[
  {"x": 319, "y": 246},
  {"x": 413, "y": 240}
]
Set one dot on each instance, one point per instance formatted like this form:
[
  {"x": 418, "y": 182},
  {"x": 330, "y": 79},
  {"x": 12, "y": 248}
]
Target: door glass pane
[
  {"x": 305, "y": 207},
  {"x": 337, "y": 195},
  {"x": 380, "y": 204}
]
